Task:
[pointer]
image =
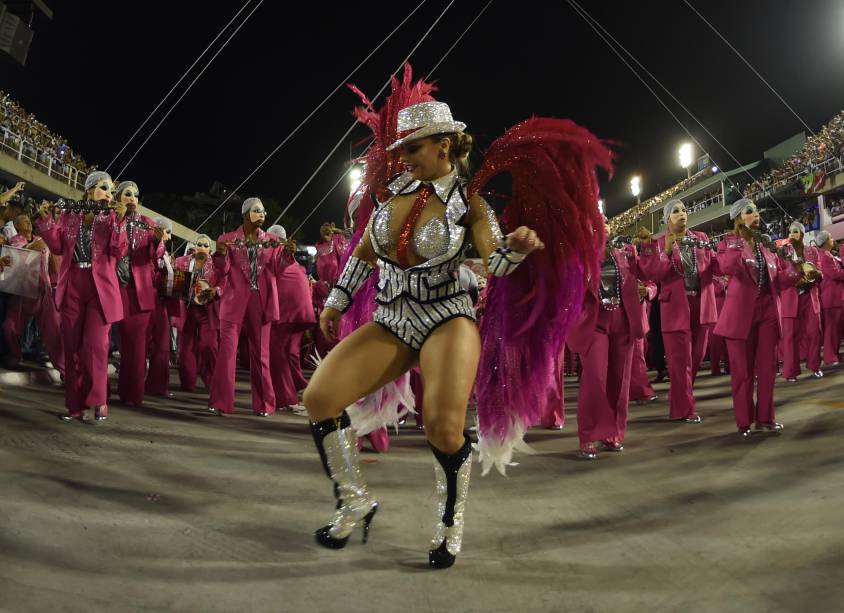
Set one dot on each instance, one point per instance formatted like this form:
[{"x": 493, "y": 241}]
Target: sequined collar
[{"x": 405, "y": 183}]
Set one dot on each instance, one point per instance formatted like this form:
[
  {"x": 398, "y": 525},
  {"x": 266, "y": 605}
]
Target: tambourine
[
  {"x": 199, "y": 296},
  {"x": 175, "y": 284}
]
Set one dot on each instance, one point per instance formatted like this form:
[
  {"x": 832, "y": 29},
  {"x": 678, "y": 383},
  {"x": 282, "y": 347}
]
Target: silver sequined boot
[
  {"x": 452, "y": 475},
  {"x": 336, "y": 442}
]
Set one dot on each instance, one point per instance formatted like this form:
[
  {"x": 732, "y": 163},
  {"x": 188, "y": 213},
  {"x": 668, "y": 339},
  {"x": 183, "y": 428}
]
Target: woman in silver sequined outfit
[{"x": 417, "y": 238}]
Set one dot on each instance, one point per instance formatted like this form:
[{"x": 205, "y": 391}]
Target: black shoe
[
  {"x": 440, "y": 557},
  {"x": 452, "y": 474},
  {"x": 214, "y": 411},
  {"x": 324, "y": 538}
]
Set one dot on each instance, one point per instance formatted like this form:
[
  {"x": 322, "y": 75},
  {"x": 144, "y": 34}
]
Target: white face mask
[
  {"x": 129, "y": 197},
  {"x": 257, "y": 214},
  {"x": 203, "y": 247},
  {"x": 102, "y": 191}
]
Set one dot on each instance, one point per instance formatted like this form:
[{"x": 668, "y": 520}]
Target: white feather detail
[
  {"x": 499, "y": 453},
  {"x": 384, "y": 407}
]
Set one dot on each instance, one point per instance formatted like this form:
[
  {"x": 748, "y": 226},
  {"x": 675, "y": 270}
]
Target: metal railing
[{"x": 23, "y": 150}]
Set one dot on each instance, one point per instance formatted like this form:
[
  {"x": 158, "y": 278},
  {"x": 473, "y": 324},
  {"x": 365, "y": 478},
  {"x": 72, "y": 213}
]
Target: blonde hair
[{"x": 459, "y": 149}]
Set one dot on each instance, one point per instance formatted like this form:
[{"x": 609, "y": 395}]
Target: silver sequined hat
[
  {"x": 738, "y": 205},
  {"x": 248, "y": 204},
  {"x": 95, "y": 177},
  {"x": 124, "y": 185},
  {"x": 796, "y": 225},
  {"x": 164, "y": 223},
  {"x": 424, "y": 119},
  {"x": 821, "y": 237},
  {"x": 278, "y": 231}
]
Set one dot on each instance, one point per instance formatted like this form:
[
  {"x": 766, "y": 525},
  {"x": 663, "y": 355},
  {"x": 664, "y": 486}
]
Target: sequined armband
[
  {"x": 353, "y": 276},
  {"x": 503, "y": 261}
]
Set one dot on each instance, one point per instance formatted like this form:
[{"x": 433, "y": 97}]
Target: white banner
[{"x": 23, "y": 276}]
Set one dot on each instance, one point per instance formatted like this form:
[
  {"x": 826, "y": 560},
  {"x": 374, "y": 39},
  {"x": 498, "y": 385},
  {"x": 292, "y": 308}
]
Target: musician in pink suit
[
  {"x": 246, "y": 270},
  {"x": 683, "y": 266},
  {"x": 158, "y": 375},
  {"x": 801, "y": 311},
  {"x": 750, "y": 321},
  {"x": 296, "y": 314},
  {"x": 329, "y": 251},
  {"x": 640, "y": 387},
  {"x": 199, "y": 322},
  {"x": 19, "y": 310},
  {"x": 88, "y": 294},
  {"x": 832, "y": 297},
  {"x": 135, "y": 274},
  {"x": 717, "y": 345},
  {"x": 610, "y": 324}
]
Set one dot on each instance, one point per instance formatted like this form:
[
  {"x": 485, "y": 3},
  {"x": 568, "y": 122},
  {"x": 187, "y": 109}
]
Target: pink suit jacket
[
  {"x": 108, "y": 244},
  {"x": 145, "y": 255},
  {"x": 179, "y": 312},
  {"x": 674, "y": 306},
  {"x": 789, "y": 295},
  {"x": 737, "y": 260},
  {"x": 832, "y": 285},
  {"x": 295, "y": 302},
  {"x": 232, "y": 272},
  {"x": 582, "y": 333}
]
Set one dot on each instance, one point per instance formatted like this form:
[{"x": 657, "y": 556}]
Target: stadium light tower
[
  {"x": 686, "y": 154},
  {"x": 636, "y": 187},
  {"x": 355, "y": 175}
]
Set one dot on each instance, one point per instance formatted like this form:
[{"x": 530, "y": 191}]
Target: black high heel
[{"x": 324, "y": 538}]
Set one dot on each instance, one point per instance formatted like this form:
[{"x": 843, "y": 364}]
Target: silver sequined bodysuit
[{"x": 414, "y": 301}]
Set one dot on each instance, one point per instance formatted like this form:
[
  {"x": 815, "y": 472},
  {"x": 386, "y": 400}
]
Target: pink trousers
[
  {"x": 222, "y": 385},
  {"x": 133, "y": 329},
  {"x": 85, "y": 336},
  {"x": 285, "y": 365},
  {"x": 684, "y": 350},
  {"x": 605, "y": 380},
  {"x": 198, "y": 349},
  {"x": 19, "y": 310},
  {"x": 555, "y": 409},
  {"x": 831, "y": 335},
  {"x": 805, "y": 329},
  {"x": 755, "y": 356},
  {"x": 158, "y": 377},
  {"x": 640, "y": 387},
  {"x": 718, "y": 353}
]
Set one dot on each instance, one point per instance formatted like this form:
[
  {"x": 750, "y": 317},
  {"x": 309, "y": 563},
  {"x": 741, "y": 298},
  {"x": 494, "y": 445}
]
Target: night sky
[{"x": 98, "y": 68}]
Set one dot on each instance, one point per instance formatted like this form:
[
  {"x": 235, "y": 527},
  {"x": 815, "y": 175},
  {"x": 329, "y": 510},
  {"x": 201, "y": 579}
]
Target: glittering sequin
[
  {"x": 82, "y": 251},
  {"x": 453, "y": 535},
  {"x": 354, "y": 501},
  {"x": 409, "y": 224}
]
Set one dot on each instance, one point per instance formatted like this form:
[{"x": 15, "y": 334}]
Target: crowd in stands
[
  {"x": 39, "y": 144},
  {"x": 827, "y": 144}
]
